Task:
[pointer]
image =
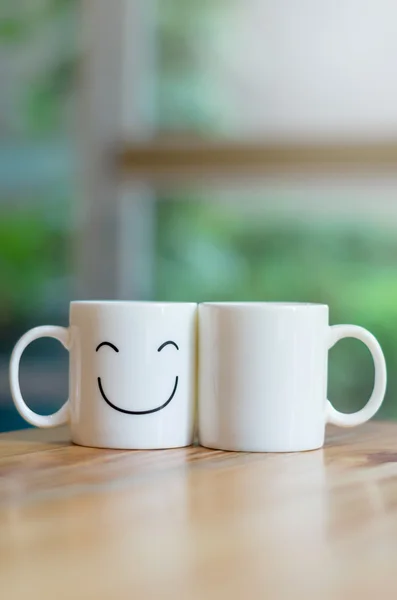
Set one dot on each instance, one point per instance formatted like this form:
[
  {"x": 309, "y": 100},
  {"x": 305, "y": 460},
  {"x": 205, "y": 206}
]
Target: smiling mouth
[{"x": 137, "y": 412}]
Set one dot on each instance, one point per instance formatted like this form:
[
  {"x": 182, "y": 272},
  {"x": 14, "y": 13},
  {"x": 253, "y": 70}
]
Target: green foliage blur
[
  {"x": 44, "y": 97},
  {"x": 35, "y": 226},
  {"x": 208, "y": 251},
  {"x": 33, "y": 259}
]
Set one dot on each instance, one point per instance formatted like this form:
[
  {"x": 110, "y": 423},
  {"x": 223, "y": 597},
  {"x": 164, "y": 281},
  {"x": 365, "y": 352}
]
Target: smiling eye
[
  {"x": 169, "y": 343},
  {"x": 107, "y": 344}
]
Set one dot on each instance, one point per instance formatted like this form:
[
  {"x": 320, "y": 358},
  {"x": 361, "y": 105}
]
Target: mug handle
[
  {"x": 338, "y": 332},
  {"x": 62, "y": 415}
]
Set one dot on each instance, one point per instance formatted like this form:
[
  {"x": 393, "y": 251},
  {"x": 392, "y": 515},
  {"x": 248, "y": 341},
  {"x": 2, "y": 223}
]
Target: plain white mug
[
  {"x": 263, "y": 376},
  {"x": 132, "y": 375}
]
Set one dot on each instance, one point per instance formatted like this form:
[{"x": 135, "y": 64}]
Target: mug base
[
  {"x": 262, "y": 449},
  {"x": 116, "y": 446}
]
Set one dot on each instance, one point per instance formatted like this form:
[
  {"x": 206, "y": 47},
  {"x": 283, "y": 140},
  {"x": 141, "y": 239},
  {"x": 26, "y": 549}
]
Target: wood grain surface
[{"x": 198, "y": 524}]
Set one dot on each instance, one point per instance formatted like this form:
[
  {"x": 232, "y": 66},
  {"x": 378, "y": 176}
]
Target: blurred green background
[{"x": 203, "y": 247}]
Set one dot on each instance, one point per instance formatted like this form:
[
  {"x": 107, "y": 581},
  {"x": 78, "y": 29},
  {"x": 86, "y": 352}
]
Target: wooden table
[{"x": 198, "y": 524}]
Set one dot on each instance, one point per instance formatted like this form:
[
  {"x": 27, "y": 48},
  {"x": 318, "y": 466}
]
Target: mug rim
[
  {"x": 265, "y": 305},
  {"x": 136, "y": 303}
]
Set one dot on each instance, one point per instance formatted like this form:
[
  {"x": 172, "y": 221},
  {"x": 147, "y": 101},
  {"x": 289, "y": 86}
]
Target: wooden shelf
[{"x": 181, "y": 158}]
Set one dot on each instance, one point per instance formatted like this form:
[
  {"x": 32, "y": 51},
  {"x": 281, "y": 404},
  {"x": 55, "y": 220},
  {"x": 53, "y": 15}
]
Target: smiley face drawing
[{"x": 168, "y": 344}]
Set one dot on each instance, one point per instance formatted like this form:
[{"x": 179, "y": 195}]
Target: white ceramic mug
[
  {"x": 263, "y": 376},
  {"x": 132, "y": 375}
]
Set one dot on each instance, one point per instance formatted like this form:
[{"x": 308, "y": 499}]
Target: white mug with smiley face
[{"x": 131, "y": 378}]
